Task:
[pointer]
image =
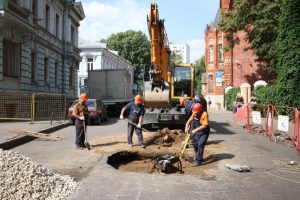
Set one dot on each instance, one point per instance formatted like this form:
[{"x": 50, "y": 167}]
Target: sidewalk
[{"x": 7, "y": 129}]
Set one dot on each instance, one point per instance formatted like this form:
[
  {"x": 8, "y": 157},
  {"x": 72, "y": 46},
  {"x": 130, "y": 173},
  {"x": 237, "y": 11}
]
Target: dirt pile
[{"x": 22, "y": 178}]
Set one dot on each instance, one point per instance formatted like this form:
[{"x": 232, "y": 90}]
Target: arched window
[
  {"x": 211, "y": 53},
  {"x": 210, "y": 84}
]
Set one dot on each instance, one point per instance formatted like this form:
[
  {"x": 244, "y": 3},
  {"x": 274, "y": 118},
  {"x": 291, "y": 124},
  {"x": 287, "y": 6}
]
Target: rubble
[{"x": 22, "y": 178}]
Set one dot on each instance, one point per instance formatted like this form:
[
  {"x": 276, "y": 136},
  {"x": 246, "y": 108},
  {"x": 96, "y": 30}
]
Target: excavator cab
[{"x": 182, "y": 81}]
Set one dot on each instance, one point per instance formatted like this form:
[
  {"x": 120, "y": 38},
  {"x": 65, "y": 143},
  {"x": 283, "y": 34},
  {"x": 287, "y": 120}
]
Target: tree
[
  {"x": 133, "y": 46},
  {"x": 176, "y": 58},
  {"x": 199, "y": 68},
  {"x": 259, "y": 19},
  {"x": 287, "y": 60}
]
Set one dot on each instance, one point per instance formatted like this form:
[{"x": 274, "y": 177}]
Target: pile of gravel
[{"x": 22, "y": 178}]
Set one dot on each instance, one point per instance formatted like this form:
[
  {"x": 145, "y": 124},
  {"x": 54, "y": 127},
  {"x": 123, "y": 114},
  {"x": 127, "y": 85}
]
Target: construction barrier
[
  {"x": 278, "y": 123},
  {"x": 33, "y": 107}
]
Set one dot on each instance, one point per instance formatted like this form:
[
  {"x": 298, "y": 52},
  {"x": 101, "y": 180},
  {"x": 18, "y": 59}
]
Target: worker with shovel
[
  {"x": 198, "y": 126},
  {"x": 80, "y": 112},
  {"x": 136, "y": 112}
]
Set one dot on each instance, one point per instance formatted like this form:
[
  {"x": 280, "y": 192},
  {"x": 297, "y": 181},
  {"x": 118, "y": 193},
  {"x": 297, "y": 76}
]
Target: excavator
[{"x": 168, "y": 81}]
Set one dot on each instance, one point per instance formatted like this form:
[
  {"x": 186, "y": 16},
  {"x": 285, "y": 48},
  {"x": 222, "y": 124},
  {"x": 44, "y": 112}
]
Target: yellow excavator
[{"x": 168, "y": 82}]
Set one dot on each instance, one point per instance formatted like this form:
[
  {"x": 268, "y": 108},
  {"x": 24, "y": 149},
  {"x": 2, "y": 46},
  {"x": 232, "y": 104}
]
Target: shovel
[
  {"x": 186, "y": 141},
  {"x": 130, "y": 122},
  {"x": 86, "y": 143}
]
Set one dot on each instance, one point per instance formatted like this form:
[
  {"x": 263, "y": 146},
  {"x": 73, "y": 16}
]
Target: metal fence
[
  {"x": 274, "y": 122},
  {"x": 34, "y": 107}
]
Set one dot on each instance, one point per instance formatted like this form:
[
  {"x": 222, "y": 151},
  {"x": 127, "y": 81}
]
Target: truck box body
[{"x": 110, "y": 85}]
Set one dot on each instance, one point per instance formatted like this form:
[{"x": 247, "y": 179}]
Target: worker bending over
[
  {"x": 198, "y": 126},
  {"x": 80, "y": 112},
  {"x": 136, "y": 113}
]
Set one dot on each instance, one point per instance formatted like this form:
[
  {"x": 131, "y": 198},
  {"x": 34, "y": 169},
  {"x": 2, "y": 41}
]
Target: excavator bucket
[{"x": 157, "y": 97}]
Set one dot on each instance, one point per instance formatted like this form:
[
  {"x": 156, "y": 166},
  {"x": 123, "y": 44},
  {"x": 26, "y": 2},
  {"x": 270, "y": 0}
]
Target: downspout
[{"x": 64, "y": 40}]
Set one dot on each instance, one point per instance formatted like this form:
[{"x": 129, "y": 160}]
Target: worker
[
  {"x": 183, "y": 101},
  {"x": 136, "y": 113},
  {"x": 198, "y": 127},
  {"x": 80, "y": 112},
  {"x": 203, "y": 102},
  {"x": 189, "y": 106}
]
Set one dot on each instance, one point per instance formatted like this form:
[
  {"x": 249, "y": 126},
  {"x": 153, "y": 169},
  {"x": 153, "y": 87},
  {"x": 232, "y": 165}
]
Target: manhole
[{"x": 146, "y": 163}]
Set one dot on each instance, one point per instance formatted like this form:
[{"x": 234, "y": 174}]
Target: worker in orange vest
[{"x": 198, "y": 126}]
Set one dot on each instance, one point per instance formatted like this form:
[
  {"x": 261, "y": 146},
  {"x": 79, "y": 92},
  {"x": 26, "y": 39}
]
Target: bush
[{"x": 230, "y": 97}]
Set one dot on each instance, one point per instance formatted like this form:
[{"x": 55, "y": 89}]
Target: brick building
[{"x": 232, "y": 68}]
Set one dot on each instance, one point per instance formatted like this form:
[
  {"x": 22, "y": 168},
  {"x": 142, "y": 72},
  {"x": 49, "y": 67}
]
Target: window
[
  {"x": 211, "y": 53},
  {"x": 210, "y": 84},
  {"x": 35, "y": 8},
  {"x": 47, "y": 17},
  {"x": 220, "y": 53},
  {"x": 11, "y": 58},
  {"x": 33, "y": 65},
  {"x": 57, "y": 25},
  {"x": 72, "y": 34},
  {"x": 90, "y": 64},
  {"x": 56, "y": 73},
  {"x": 46, "y": 70},
  {"x": 71, "y": 76}
]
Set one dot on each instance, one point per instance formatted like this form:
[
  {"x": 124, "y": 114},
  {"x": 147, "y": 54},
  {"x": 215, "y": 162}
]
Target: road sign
[{"x": 219, "y": 78}]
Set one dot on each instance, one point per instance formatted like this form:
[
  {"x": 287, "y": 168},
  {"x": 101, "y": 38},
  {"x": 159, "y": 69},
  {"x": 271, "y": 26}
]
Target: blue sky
[{"x": 185, "y": 20}]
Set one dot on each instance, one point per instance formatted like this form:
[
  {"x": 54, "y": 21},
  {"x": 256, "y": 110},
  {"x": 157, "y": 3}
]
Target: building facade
[
  {"x": 231, "y": 68},
  {"x": 181, "y": 49},
  {"x": 39, "y": 46},
  {"x": 97, "y": 56}
]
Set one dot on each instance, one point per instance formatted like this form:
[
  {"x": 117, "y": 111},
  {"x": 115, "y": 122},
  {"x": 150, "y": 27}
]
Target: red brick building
[{"x": 227, "y": 69}]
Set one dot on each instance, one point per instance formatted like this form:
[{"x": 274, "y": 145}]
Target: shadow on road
[
  {"x": 214, "y": 142},
  {"x": 217, "y": 157},
  {"x": 220, "y": 128},
  {"x": 107, "y": 144}
]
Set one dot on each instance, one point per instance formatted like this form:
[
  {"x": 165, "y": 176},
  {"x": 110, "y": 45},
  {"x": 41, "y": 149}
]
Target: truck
[
  {"x": 169, "y": 81},
  {"x": 113, "y": 86}
]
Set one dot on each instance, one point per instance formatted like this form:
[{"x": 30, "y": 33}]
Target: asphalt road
[{"x": 270, "y": 177}]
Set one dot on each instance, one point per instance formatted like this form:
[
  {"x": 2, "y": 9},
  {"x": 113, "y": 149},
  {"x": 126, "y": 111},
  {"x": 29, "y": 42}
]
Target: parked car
[{"x": 97, "y": 111}]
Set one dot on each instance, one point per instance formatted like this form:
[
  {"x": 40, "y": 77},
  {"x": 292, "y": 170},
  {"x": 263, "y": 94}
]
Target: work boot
[
  {"x": 130, "y": 145},
  {"x": 143, "y": 146},
  {"x": 195, "y": 164},
  {"x": 79, "y": 148}
]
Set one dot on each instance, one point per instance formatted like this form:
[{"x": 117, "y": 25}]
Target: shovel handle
[{"x": 130, "y": 122}]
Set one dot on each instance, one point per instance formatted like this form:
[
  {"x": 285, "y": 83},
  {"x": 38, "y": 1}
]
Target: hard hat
[
  {"x": 197, "y": 98},
  {"x": 182, "y": 101},
  {"x": 197, "y": 108},
  {"x": 84, "y": 96},
  {"x": 138, "y": 99}
]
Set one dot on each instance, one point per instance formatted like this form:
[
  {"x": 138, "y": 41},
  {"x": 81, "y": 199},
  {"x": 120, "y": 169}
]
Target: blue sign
[{"x": 219, "y": 78}]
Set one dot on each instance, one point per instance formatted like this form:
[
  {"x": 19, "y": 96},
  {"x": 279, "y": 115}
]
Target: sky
[{"x": 185, "y": 20}]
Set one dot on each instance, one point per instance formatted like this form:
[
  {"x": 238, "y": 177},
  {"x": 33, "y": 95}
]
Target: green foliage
[
  {"x": 230, "y": 97},
  {"x": 133, "y": 46},
  {"x": 199, "y": 68},
  {"x": 176, "y": 58},
  {"x": 259, "y": 19}
]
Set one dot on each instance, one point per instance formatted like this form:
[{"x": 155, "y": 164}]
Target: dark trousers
[
  {"x": 199, "y": 142},
  {"x": 138, "y": 132},
  {"x": 79, "y": 139}
]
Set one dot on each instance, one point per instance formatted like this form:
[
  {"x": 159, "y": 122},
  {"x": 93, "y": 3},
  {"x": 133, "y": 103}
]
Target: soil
[{"x": 162, "y": 142}]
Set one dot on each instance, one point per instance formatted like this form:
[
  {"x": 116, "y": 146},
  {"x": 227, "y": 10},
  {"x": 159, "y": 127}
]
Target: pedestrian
[
  {"x": 198, "y": 127},
  {"x": 253, "y": 101},
  {"x": 136, "y": 112},
  {"x": 80, "y": 112},
  {"x": 239, "y": 101},
  {"x": 183, "y": 101},
  {"x": 209, "y": 102}
]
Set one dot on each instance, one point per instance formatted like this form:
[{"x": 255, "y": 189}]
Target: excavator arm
[{"x": 157, "y": 91}]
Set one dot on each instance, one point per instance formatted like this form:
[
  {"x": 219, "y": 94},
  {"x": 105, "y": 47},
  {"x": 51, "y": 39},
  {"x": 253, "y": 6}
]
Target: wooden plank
[{"x": 37, "y": 134}]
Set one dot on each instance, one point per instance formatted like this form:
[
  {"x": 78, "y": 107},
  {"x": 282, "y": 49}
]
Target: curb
[{"x": 23, "y": 140}]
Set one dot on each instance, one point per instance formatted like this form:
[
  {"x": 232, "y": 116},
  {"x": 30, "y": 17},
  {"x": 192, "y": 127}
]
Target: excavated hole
[{"x": 142, "y": 162}]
